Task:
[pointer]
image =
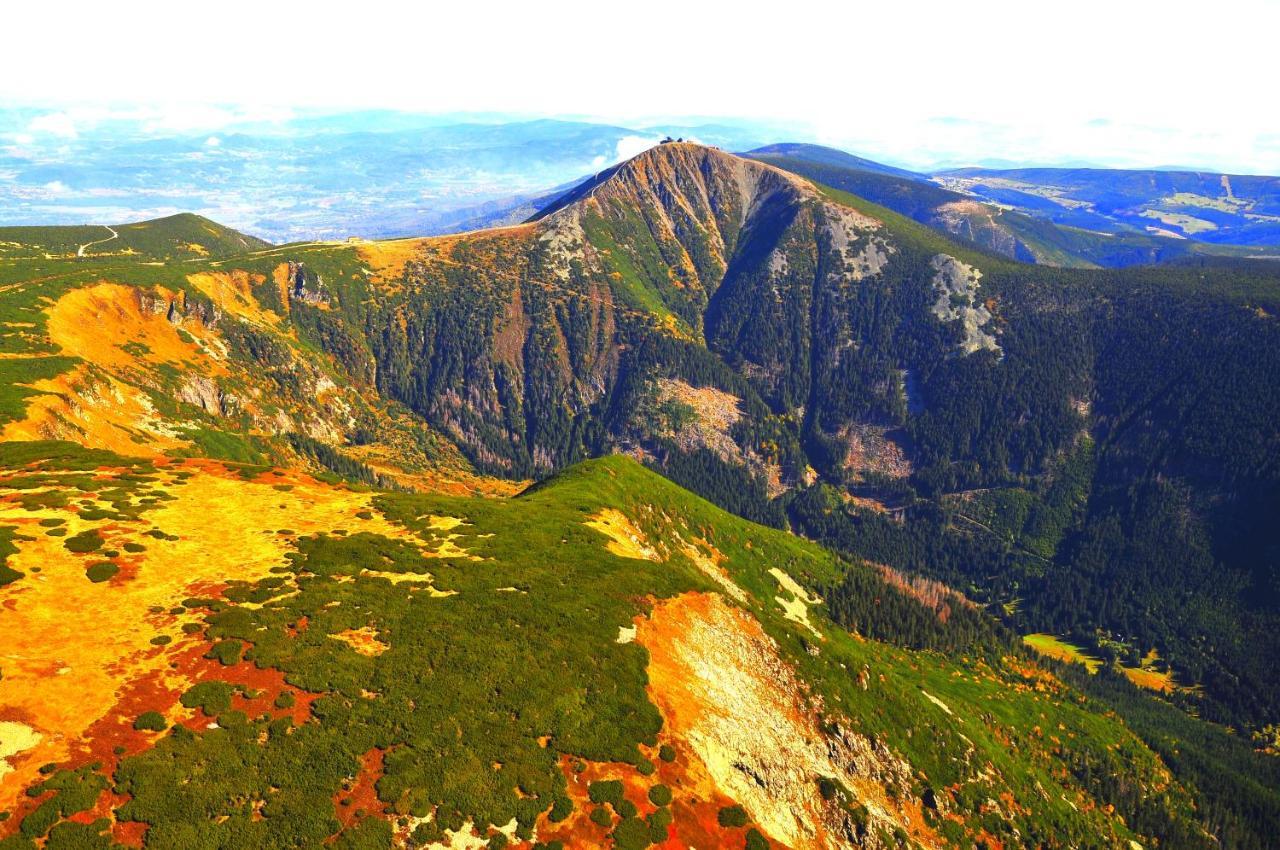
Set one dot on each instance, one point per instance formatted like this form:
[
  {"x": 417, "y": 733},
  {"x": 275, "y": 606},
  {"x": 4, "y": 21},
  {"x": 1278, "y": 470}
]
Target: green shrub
[
  {"x": 667, "y": 753},
  {"x": 226, "y": 651},
  {"x": 561, "y": 808},
  {"x": 600, "y": 816},
  {"x": 732, "y": 817},
  {"x": 101, "y": 571},
  {"x": 605, "y": 791},
  {"x": 658, "y": 823},
  {"x": 212, "y": 697},
  {"x": 425, "y": 833},
  {"x": 151, "y": 721},
  {"x": 660, "y": 795},
  {"x": 86, "y": 541},
  {"x": 631, "y": 834}
]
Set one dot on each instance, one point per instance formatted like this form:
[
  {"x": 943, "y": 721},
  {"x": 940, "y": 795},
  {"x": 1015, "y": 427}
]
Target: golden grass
[
  {"x": 96, "y": 410},
  {"x": 96, "y": 322},
  {"x": 387, "y": 259},
  {"x": 795, "y": 609},
  {"x": 1147, "y": 676},
  {"x": 1053, "y": 647},
  {"x": 363, "y": 640},
  {"x": 69, "y": 647},
  {"x": 626, "y": 540},
  {"x": 1154, "y": 680},
  {"x": 15, "y": 738},
  {"x": 710, "y": 561},
  {"x": 233, "y": 293}
]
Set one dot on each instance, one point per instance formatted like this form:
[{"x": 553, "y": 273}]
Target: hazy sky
[{"x": 1121, "y": 82}]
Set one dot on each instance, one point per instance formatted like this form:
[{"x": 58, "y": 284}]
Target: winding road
[{"x": 114, "y": 235}]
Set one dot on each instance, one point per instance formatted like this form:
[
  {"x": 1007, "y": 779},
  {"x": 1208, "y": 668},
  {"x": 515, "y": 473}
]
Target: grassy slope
[
  {"x": 181, "y": 236},
  {"x": 470, "y": 682}
]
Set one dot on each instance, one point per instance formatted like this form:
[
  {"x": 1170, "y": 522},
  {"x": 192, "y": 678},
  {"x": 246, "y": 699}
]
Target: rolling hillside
[
  {"x": 589, "y": 664},
  {"x": 1222, "y": 209},
  {"x": 183, "y": 236},
  {"x": 999, "y": 223}
]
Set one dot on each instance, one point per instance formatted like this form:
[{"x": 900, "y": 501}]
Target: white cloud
[
  {"x": 874, "y": 74},
  {"x": 59, "y": 124},
  {"x": 56, "y": 188},
  {"x": 212, "y": 142},
  {"x": 629, "y": 146}
]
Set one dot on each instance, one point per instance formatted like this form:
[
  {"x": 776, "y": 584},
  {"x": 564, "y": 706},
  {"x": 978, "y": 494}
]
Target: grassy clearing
[{"x": 1061, "y": 650}]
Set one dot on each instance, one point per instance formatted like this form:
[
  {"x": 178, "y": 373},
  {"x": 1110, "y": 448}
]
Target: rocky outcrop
[
  {"x": 203, "y": 392},
  {"x": 957, "y": 286}
]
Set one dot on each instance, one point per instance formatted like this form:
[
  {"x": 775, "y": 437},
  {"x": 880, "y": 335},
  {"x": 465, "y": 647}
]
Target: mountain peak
[{"x": 666, "y": 166}]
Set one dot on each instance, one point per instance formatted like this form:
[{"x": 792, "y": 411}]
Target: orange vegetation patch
[
  {"x": 1151, "y": 679},
  {"x": 233, "y": 293},
  {"x": 97, "y": 410},
  {"x": 928, "y": 592},
  {"x": 71, "y": 649},
  {"x": 97, "y": 322},
  {"x": 113, "y": 737},
  {"x": 387, "y": 259},
  {"x": 358, "y": 798},
  {"x": 728, "y": 698},
  {"x": 695, "y": 805}
]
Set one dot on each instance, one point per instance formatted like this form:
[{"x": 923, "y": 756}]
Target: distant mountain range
[
  {"x": 370, "y": 174},
  {"x": 381, "y": 174},
  {"x": 1064, "y": 217}
]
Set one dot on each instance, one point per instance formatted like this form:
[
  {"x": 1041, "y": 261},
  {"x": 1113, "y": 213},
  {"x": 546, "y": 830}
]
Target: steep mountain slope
[
  {"x": 751, "y": 334},
  {"x": 140, "y": 352}
]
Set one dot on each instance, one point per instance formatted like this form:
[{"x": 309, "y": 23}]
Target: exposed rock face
[
  {"x": 713, "y": 415},
  {"x": 177, "y": 307},
  {"x": 873, "y": 449},
  {"x": 724, "y": 691},
  {"x": 304, "y": 286},
  {"x": 957, "y": 286},
  {"x": 202, "y": 392},
  {"x": 977, "y": 223}
]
